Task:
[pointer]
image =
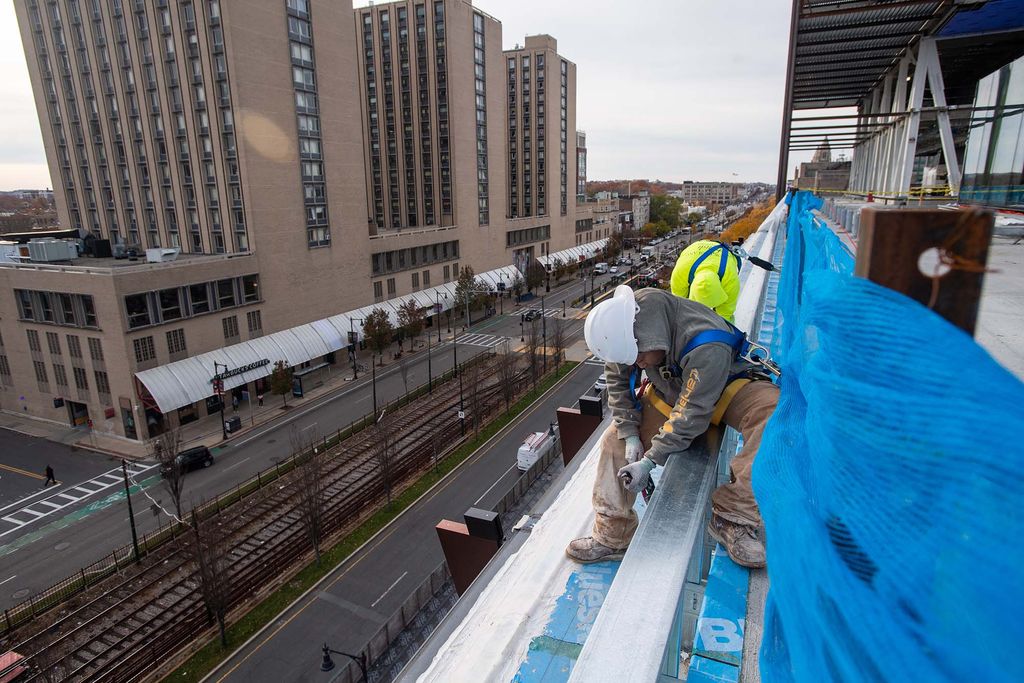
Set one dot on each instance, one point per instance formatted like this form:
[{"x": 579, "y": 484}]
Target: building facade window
[
  {"x": 41, "y": 379},
  {"x": 443, "y": 132},
  {"x": 378, "y": 291},
  {"x": 230, "y": 325},
  {"x": 81, "y": 380},
  {"x": 162, "y": 306},
  {"x": 60, "y": 375},
  {"x": 480, "y": 90},
  {"x": 176, "y": 342},
  {"x": 412, "y": 258},
  {"x": 307, "y": 113},
  {"x": 255, "y": 323},
  {"x": 56, "y": 308},
  {"x": 514, "y": 238},
  {"x": 102, "y": 383},
  {"x": 144, "y": 349},
  {"x": 563, "y": 137},
  {"x": 422, "y": 82}
]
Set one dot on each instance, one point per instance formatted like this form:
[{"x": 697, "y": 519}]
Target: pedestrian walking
[
  {"x": 259, "y": 399},
  {"x": 234, "y": 403},
  {"x": 49, "y": 477}
]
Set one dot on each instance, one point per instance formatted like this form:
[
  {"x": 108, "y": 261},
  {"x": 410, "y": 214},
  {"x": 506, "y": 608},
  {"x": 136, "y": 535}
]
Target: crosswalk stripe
[{"x": 70, "y": 496}]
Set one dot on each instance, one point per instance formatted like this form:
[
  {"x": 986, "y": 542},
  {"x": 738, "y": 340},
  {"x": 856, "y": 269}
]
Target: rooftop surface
[{"x": 1000, "y": 321}]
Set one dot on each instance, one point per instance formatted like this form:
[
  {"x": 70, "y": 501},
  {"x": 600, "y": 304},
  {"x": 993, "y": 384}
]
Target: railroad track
[{"x": 125, "y": 632}]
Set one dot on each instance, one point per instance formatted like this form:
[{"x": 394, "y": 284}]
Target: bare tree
[
  {"x": 211, "y": 557},
  {"x": 557, "y": 340},
  {"x": 385, "y": 440},
  {"x": 508, "y": 368},
  {"x": 533, "y": 346},
  {"x": 165, "y": 449},
  {"x": 403, "y": 370},
  {"x": 472, "y": 378},
  {"x": 309, "y": 458}
]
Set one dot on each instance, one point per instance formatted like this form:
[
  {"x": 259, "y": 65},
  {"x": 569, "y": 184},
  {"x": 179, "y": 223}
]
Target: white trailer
[{"x": 535, "y": 447}]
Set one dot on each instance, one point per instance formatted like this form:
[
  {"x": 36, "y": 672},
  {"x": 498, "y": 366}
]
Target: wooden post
[{"x": 892, "y": 240}]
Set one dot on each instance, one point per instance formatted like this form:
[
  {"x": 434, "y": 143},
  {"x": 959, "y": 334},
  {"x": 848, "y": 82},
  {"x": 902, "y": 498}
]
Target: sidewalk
[{"x": 206, "y": 431}]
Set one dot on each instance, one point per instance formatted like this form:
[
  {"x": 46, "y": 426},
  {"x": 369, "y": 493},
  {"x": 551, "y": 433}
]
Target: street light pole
[
  {"x": 437, "y": 313},
  {"x": 328, "y": 664},
  {"x": 223, "y": 426},
  {"x": 373, "y": 371},
  {"x": 430, "y": 374},
  {"x": 131, "y": 515},
  {"x": 455, "y": 361},
  {"x": 544, "y": 333},
  {"x": 352, "y": 340}
]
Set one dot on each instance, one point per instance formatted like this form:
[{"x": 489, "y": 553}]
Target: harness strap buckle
[{"x": 755, "y": 353}]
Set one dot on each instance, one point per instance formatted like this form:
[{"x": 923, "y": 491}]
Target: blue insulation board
[
  {"x": 721, "y": 623},
  {"x": 710, "y": 671},
  {"x": 553, "y": 653}
]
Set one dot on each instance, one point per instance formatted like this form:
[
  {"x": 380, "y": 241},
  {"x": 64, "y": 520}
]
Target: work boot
[
  {"x": 587, "y": 550},
  {"x": 742, "y": 542}
]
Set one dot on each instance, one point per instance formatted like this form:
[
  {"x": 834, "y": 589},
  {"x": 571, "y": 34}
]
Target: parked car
[
  {"x": 601, "y": 384},
  {"x": 613, "y": 269},
  {"x": 531, "y": 314},
  {"x": 190, "y": 459}
]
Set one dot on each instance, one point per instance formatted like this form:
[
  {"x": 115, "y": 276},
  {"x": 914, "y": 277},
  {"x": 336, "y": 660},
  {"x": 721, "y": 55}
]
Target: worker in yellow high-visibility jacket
[{"x": 707, "y": 272}]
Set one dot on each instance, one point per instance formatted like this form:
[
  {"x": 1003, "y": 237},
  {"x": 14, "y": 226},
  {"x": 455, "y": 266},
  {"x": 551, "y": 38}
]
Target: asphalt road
[
  {"x": 23, "y": 461},
  {"x": 54, "y": 536},
  {"x": 350, "y": 605}
]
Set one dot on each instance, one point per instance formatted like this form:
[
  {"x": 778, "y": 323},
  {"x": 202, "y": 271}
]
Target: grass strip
[{"x": 212, "y": 654}]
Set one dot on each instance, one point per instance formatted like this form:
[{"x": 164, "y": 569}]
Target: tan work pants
[{"x": 615, "y": 520}]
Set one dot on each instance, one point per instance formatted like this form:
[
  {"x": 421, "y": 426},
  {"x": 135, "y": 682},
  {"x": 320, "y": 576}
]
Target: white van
[{"x": 600, "y": 268}]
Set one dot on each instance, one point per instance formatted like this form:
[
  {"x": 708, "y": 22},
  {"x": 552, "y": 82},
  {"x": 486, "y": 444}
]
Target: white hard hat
[{"x": 609, "y": 328}]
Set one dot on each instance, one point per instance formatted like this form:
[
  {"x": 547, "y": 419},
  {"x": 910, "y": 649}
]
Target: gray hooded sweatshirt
[{"x": 666, "y": 322}]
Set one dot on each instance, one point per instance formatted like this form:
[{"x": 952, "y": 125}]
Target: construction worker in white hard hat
[{"x": 699, "y": 371}]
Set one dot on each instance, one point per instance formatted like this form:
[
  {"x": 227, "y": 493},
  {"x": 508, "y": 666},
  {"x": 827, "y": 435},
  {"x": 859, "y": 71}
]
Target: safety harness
[
  {"x": 743, "y": 349},
  {"x": 723, "y": 262}
]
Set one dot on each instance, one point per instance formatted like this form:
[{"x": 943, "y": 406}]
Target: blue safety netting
[{"x": 890, "y": 479}]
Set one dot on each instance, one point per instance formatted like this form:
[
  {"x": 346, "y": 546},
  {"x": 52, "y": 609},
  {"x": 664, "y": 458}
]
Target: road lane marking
[
  {"x": 56, "y": 501},
  {"x": 18, "y": 470},
  {"x": 22, "y": 500},
  {"x": 311, "y": 599},
  {"x": 389, "y": 589},
  {"x": 496, "y": 482},
  {"x": 225, "y": 469},
  {"x": 8, "y": 579}
]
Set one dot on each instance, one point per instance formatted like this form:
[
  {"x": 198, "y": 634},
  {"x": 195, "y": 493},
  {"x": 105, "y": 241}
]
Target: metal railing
[{"x": 663, "y": 570}]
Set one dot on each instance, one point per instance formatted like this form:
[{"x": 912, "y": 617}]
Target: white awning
[
  {"x": 186, "y": 381},
  {"x": 574, "y": 254}
]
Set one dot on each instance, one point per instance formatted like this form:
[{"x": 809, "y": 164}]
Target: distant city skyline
[{"x": 678, "y": 91}]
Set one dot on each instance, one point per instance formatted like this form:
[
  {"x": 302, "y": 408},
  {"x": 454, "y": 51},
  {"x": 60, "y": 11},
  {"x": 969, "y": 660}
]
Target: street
[
  {"x": 350, "y": 605},
  {"x": 47, "y": 535}
]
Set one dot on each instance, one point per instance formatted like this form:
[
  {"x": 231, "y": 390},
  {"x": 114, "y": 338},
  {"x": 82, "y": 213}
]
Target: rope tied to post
[{"x": 949, "y": 260}]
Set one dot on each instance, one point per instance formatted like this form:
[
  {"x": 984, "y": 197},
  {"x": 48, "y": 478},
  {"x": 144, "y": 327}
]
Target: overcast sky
[{"x": 667, "y": 89}]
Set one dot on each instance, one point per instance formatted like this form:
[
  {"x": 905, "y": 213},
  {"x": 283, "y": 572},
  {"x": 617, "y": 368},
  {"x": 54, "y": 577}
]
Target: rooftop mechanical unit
[{"x": 49, "y": 251}]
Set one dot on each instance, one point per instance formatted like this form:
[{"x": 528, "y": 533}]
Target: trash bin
[{"x": 233, "y": 424}]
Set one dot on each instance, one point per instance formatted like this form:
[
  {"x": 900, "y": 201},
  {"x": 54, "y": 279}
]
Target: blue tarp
[{"x": 889, "y": 479}]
